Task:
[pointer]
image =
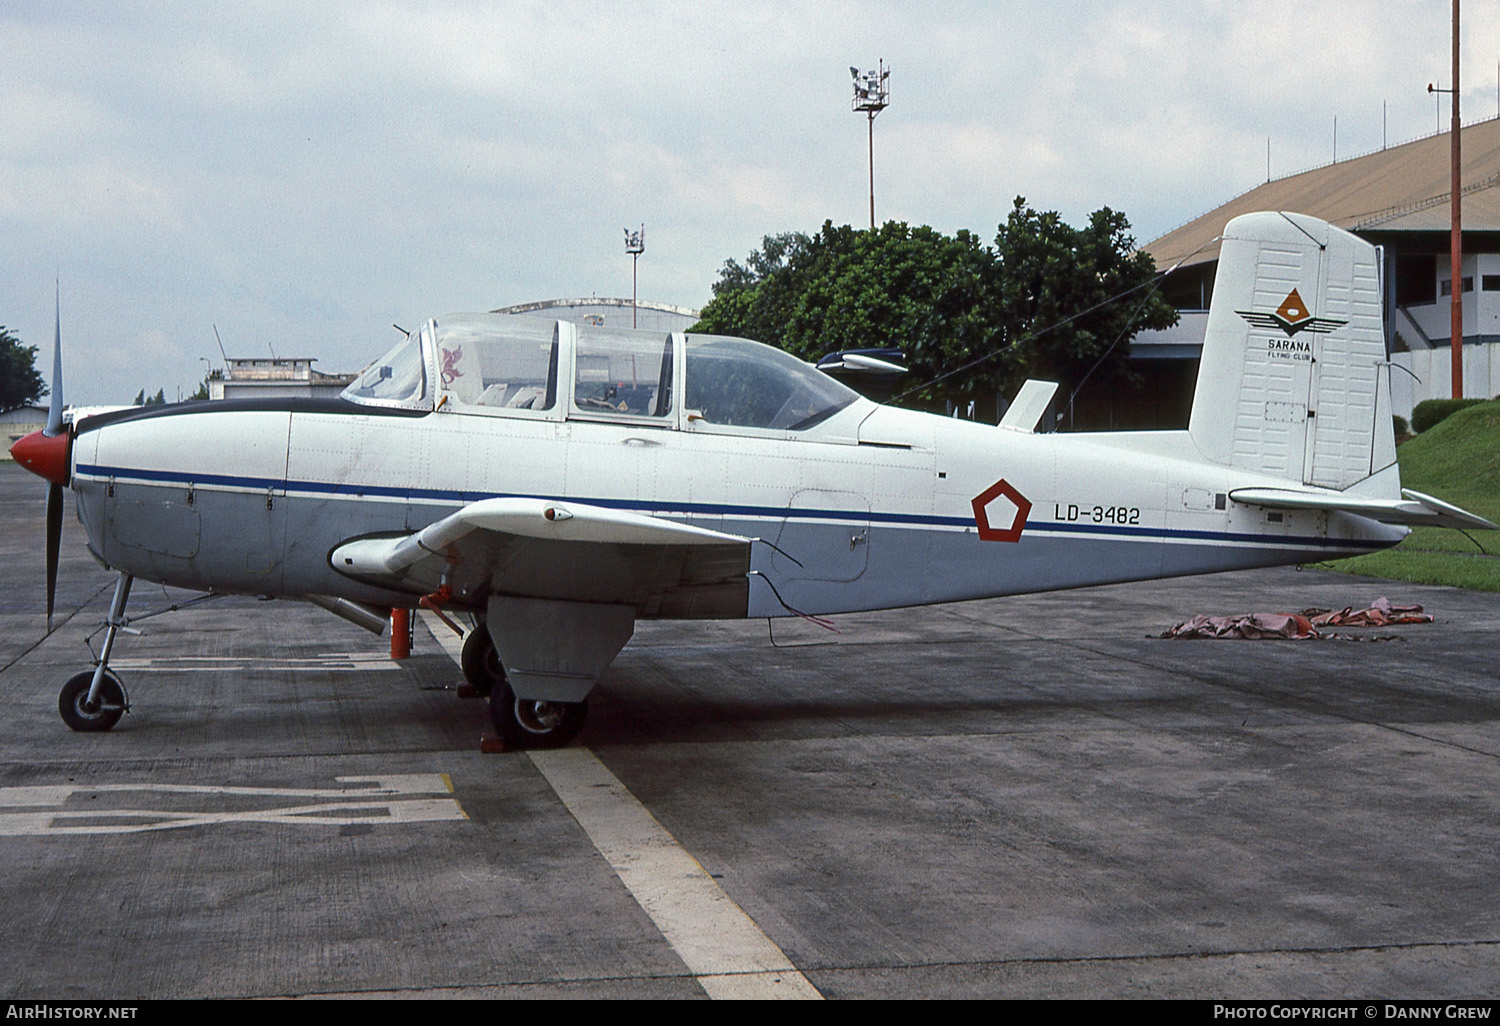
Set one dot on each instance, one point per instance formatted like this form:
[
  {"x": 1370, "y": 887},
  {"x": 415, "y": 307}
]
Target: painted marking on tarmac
[
  {"x": 376, "y": 799},
  {"x": 730, "y": 956},
  {"x": 336, "y": 661}
]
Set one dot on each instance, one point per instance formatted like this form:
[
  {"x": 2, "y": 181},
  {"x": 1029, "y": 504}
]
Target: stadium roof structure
[{"x": 1401, "y": 188}]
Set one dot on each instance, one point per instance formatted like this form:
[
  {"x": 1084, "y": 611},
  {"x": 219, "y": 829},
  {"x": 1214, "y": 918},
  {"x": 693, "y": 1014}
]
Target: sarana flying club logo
[{"x": 1291, "y": 317}]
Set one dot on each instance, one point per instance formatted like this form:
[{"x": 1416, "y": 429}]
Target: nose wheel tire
[
  {"x": 528, "y": 723},
  {"x": 480, "y": 662},
  {"x": 104, "y": 713}
]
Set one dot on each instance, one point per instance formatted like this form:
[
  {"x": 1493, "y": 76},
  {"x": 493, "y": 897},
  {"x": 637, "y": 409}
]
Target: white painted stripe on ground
[
  {"x": 385, "y": 784},
  {"x": 336, "y": 661},
  {"x": 135, "y": 821},
  {"x": 384, "y": 799},
  {"x": 728, "y": 954},
  {"x": 723, "y": 947},
  {"x": 443, "y": 635}
]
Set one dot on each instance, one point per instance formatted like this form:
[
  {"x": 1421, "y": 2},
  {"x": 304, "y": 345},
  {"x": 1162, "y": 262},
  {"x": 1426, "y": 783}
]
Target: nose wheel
[
  {"x": 94, "y": 700},
  {"x": 90, "y": 715}
]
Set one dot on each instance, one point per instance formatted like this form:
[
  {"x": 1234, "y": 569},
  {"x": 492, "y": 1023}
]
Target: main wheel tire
[
  {"x": 480, "y": 662},
  {"x": 527, "y": 723},
  {"x": 73, "y": 702}
]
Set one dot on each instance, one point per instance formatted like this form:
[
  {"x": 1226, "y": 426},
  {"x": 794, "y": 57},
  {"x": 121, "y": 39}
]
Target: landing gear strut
[{"x": 94, "y": 700}]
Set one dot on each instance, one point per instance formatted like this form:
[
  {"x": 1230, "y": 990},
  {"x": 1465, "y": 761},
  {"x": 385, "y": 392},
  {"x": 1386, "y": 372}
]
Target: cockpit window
[
  {"x": 397, "y": 377},
  {"x": 623, "y": 373},
  {"x": 499, "y": 361},
  {"x": 734, "y": 381}
]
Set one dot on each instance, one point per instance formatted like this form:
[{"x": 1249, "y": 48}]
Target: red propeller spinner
[{"x": 44, "y": 456}]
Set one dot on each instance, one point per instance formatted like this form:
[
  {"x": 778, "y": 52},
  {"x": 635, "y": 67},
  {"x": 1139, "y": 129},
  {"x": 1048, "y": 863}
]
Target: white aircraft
[{"x": 559, "y": 482}]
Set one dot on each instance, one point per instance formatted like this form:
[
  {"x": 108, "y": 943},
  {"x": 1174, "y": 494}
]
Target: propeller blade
[
  {"x": 54, "y": 544},
  {"x": 55, "y": 407}
]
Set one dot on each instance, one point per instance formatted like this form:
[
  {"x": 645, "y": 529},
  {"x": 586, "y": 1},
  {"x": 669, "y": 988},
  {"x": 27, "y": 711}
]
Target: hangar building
[{"x": 1397, "y": 198}]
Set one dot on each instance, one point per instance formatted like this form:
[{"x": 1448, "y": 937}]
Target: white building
[{"x": 267, "y": 378}]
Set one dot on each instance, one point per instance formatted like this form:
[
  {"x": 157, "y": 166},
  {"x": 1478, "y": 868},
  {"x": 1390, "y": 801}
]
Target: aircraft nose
[{"x": 45, "y": 456}]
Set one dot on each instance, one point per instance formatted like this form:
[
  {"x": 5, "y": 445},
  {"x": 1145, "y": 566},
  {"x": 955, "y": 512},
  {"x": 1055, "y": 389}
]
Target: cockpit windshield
[
  {"x": 733, "y": 381},
  {"x": 397, "y": 377}
]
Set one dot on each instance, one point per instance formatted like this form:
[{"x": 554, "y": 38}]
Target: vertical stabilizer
[{"x": 1294, "y": 379}]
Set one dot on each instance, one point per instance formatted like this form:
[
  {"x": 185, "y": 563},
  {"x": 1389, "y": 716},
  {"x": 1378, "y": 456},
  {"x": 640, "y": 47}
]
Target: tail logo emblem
[{"x": 1291, "y": 317}]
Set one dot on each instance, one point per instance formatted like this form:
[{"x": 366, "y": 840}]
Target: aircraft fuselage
[{"x": 877, "y": 511}]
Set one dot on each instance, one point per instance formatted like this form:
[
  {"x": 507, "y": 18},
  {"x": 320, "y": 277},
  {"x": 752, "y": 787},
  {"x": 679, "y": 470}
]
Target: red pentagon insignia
[{"x": 995, "y": 532}]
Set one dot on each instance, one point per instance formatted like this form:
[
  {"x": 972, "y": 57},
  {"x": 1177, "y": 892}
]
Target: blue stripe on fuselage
[{"x": 260, "y": 484}]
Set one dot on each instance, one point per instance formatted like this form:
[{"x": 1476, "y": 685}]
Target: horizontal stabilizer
[
  {"x": 1413, "y": 509},
  {"x": 1029, "y": 405}
]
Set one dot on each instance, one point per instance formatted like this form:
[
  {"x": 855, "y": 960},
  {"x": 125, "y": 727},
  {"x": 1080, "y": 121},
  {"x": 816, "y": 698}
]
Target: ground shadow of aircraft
[{"x": 559, "y": 482}]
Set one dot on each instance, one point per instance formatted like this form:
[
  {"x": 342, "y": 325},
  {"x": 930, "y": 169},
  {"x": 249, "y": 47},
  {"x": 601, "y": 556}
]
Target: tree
[
  {"x": 20, "y": 383},
  {"x": 1071, "y": 298},
  {"x": 972, "y": 319},
  {"x": 141, "y": 399}
]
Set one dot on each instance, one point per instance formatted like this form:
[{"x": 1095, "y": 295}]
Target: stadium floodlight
[
  {"x": 635, "y": 245},
  {"x": 872, "y": 94}
]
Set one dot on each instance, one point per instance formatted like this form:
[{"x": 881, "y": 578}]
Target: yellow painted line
[{"x": 726, "y": 951}]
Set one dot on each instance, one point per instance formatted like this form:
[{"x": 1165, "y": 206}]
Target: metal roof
[{"x": 1399, "y": 189}]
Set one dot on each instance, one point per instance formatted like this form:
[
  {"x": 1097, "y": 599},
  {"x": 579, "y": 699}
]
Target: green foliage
[
  {"x": 949, "y": 302},
  {"x": 202, "y": 392},
  {"x": 1400, "y": 427},
  {"x": 159, "y": 399},
  {"x": 1431, "y": 412},
  {"x": 20, "y": 382}
]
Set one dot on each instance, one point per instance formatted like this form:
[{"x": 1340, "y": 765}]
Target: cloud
[{"x": 310, "y": 173}]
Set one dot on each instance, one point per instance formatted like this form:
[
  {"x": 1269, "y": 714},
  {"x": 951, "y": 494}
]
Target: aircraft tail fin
[{"x": 1294, "y": 380}]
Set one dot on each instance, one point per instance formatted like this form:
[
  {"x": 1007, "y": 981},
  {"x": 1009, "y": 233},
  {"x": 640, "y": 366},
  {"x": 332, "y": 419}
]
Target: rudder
[{"x": 1294, "y": 378}]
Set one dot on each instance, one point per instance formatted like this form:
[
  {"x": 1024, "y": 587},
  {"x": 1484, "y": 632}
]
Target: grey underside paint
[{"x": 232, "y": 541}]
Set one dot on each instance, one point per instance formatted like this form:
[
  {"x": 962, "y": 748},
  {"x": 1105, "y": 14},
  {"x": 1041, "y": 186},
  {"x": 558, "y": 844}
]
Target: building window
[
  {"x": 1447, "y": 285},
  {"x": 1490, "y": 282}
]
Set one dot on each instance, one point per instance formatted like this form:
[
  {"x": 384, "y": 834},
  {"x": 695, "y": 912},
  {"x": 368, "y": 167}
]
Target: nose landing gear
[{"x": 94, "y": 700}]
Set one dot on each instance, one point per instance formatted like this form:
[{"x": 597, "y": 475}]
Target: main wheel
[
  {"x": 79, "y": 714},
  {"x": 480, "y": 662},
  {"x": 527, "y": 723}
]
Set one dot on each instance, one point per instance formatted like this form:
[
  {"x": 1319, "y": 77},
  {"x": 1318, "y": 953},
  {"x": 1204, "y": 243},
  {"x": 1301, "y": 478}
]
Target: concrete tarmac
[{"x": 1021, "y": 797}]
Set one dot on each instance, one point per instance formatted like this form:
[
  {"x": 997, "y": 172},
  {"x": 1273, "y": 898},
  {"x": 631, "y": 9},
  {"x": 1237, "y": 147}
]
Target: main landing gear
[
  {"x": 521, "y": 722},
  {"x": 94, "y": 700}
]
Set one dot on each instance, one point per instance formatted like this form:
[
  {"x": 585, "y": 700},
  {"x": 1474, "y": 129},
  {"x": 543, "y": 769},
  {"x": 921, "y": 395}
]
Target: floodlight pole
[
  {"x": 1455, "y": 244},
  {"x": 871, "y": 95},
  {"x": 635, "y": 245}
]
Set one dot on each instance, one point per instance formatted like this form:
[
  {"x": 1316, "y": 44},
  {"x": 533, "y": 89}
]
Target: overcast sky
[{"x": 305, "y": 174}]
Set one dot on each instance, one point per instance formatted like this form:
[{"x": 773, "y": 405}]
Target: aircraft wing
[
  {"x": 566, "y": 551},
  {"x": 1413, "y": 508}
]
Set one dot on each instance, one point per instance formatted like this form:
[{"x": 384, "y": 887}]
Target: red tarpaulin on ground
[{"x": 1381, "y": 613}]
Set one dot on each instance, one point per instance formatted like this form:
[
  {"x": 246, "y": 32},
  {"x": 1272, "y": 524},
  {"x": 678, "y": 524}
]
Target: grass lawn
[{"x": 1457, "y": 461}]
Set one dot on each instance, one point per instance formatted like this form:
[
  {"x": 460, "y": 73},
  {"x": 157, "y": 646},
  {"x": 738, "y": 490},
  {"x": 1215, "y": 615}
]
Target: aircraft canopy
[{"x": 528, "y": 367}]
